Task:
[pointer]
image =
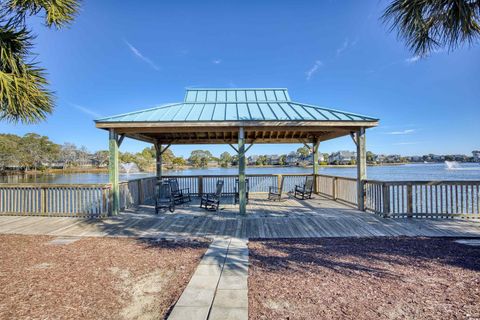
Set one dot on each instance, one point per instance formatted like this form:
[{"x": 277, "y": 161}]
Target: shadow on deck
[{"x": 289, "y": 218}]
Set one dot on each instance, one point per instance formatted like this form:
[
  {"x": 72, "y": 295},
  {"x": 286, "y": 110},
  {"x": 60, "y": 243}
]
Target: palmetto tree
[
  {"x": 430, "y": 25},
  {"x": 24, "y": 95}
]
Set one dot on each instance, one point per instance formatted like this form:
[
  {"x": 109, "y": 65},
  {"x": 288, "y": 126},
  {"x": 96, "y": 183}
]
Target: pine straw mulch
[
  {"x": 364, "y": 278},
  {"x": 93, "y": 278}
]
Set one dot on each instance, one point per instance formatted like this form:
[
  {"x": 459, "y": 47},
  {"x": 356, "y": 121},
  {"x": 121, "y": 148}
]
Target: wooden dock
[{"x": 289, "y": 218}]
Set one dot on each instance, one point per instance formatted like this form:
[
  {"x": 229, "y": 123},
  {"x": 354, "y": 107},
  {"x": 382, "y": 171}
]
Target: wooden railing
[
  {"x": 387, "y": 198},
  {"x": 424, "y": 198},
  {"x": 258, "y": 183},
  {"x": 136, "y": 192},
  {"x": 342, "y": 189},
  {"x": 85, "y": 200}
]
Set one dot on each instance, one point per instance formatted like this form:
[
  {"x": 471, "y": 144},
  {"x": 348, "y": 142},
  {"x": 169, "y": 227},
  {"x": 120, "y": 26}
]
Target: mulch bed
[
  {"x": 364, "y": 278},
  {"x": 93, "y": 278}
]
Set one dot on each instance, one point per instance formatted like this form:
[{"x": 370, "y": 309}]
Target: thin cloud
[
  {"x": 86, "y": 110},
  {"x": 345, "y": 45},
  {"x": 217, "y": 61},
  {"x": 417, "y": 58},
  {"x": 412, "y": 59},
  {"x": 314, "y": 69},
  {"x": 406, "y": 131},
  {"x": 140, "y": 55}
]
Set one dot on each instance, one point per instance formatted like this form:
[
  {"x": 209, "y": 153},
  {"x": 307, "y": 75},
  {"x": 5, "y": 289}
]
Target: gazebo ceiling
[{"x": 213, "y": 116}]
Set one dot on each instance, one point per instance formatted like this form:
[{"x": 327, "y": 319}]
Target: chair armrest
[
  {"x": 187, "y": 189},
  {"x": 273, "y": 189}
]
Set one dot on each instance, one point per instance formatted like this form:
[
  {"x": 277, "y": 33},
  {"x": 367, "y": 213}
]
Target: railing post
[
  {"x": 409, "y": 201},
  {"x": 200, "y": 186},
  {"x": 334, "y": 188},
  {"x": 140, "y": 191},
  {"x": 386, "y": 199},
  {"x": 104, "y": 200},
  {"x": 43, "y": 200},
  {"x": 279, "y": 181}
]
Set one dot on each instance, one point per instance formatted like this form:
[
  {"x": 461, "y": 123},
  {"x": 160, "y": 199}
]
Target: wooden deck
[{"x": 318, "y": 217}]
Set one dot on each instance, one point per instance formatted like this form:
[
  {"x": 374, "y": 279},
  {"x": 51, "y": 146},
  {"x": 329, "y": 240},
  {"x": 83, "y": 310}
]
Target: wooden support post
[
  {"x": 200, "y": 186},
  {"x": 140, "y": 191},
  {"x": 113, "y": 171},
  {"x": 386, "y": 199},
  {"x": 334, "y": 188},
  {"x": 158, "y": 157},
  {"x": 316, "y": 146},
  {"x": 361, "y": 168},
  {"x": 43, "y": 203},
  {"x": 409, "y": 201},
  {"x": 241, "y": 171}
]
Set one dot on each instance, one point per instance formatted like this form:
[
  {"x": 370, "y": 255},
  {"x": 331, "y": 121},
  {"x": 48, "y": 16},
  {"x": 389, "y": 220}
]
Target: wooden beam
[
  {"x": 361, "y": 168},
  {"x": 158, "y": 162},
  {"x": 236, "y": 150},
  {"x": 120, "y": 139},
  {"x": 315, "y": 147},
  {"x": 230, "y": 125},
  {"x": 113, "y": 171},
  {"x": 354, "y": 138},
  {"x": 242, "y": 200}
]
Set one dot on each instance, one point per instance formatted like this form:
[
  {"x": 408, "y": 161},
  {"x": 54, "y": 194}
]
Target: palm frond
[
  {"x": 429, "y": 25},
  {"x": 58, "y": 13},
  {"x": 24, "y": 95}
]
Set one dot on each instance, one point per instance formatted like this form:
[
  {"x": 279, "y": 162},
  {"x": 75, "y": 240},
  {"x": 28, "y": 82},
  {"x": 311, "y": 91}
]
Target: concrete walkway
[{"x": 218, "y": 288}]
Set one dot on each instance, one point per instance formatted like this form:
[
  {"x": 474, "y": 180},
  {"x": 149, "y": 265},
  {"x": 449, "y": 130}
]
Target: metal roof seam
[
  {"x": 139, "y": 111},
  {"x": 271, "y": 109},
  {"x": 298, "y": 113},
  {"x": 270, "y": 102},
  {"x": 329, "y": 109}
]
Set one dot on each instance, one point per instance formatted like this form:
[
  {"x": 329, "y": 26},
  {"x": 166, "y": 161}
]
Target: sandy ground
[
  {"x": 364, "y": 278},
  {"x": 93, "y": 278}
]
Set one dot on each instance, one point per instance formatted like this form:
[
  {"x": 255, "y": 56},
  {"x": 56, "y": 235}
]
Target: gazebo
[{"x": 238, "y": 117}]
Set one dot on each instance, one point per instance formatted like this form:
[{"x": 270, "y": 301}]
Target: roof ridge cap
[{"x": 233, "y": 89}]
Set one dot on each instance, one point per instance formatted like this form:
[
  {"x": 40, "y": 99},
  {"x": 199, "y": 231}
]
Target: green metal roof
[{"x": 202, "y": 105}]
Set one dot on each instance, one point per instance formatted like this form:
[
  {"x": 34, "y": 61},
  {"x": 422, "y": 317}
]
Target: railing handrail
[
  {"x": 54, "y": 185},
  {"x": 423, "y": 182},
  {"x": 337, "y": 177}
]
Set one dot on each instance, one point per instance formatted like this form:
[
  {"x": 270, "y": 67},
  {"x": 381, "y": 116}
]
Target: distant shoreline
[
  {"x": 180, "y": 168},
  {"x": 105, "y": 170}
]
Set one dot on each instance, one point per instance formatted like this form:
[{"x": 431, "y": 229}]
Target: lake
[{"x": 435, "y": 171}]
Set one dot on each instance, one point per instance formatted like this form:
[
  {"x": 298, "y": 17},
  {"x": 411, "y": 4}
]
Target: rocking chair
[
  {"x": 305, "y": 191},
  {"x": 275, "y": 193},
  {"x": 164, "y": 199},
  {"x": 237, "y": 194},
  {"x": 211, "y": 201},
  {"x": 179, "y": 195}
]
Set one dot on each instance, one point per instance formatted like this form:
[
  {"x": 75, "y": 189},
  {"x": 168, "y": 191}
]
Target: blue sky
[{"x": 121, "y": 56}]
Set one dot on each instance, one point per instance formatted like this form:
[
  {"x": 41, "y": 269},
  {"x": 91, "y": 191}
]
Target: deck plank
[{"x": 318, "y": 217}]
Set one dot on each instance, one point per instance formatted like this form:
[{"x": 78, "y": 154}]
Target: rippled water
[{"x": 437, "y": 171}]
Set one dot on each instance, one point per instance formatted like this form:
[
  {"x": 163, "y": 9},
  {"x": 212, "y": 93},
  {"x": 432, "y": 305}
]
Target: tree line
[{"x": 35, "y": 152}]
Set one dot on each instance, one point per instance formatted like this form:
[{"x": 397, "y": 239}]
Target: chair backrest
[
  {"x": 174, "y": 185},
  {"x": 280, "y": 187},
  {"x": 246, "y": 183},
  {"x": 219, "y": 188},
  {"x": 309, "y": 183},
  {"x": 164, "y": 190}
]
